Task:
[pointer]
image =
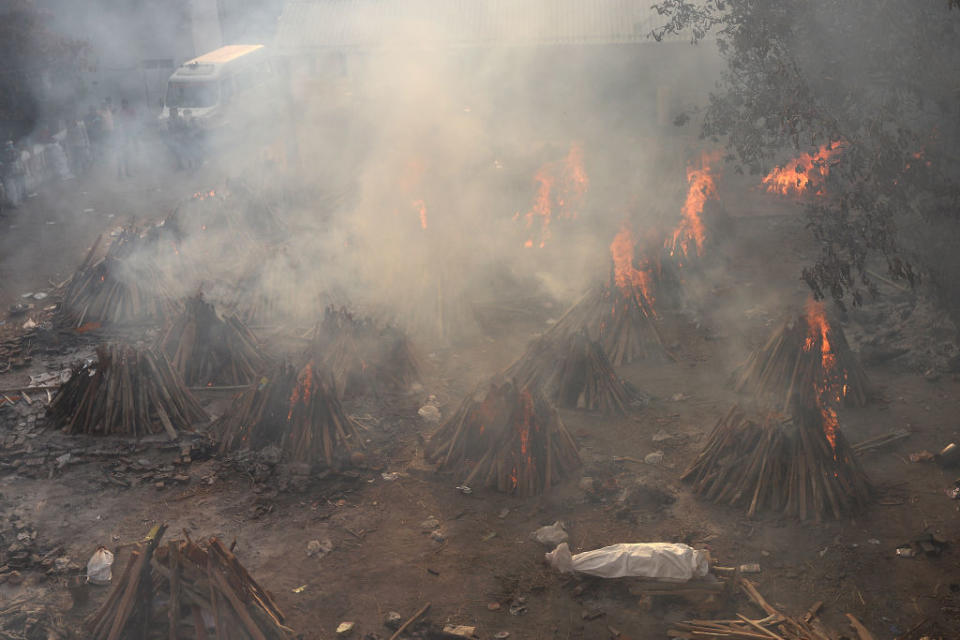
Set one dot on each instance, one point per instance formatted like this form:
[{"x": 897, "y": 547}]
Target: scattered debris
[
  {"x": 430, "y": 413},
  {"x": 880, "y": 441},
  {"x": 550, "y": 535},
  {"x": 98, "y": 567},
  {"x": 774, "y": 625},
  {"x": 949, "y": 455},
  {"x": 392, "y": 620},
  {"x": 459, "y": 631},
  {"x": 661, "y": 436},
  {"x": 319, "y": 547}
]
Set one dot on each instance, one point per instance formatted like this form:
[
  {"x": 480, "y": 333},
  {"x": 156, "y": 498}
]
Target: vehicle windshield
[{"x": 192, "y": 95}]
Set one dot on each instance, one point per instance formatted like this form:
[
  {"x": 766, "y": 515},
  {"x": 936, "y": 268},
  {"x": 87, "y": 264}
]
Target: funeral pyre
[
  {"x": 766, "y": 461},
  {"x": 574, "y": 373},
  {"x": 508, "y": 438},
  {"x": 128, "y": 391},
  {"x": 298, "y": 411},
  {"x": 183, "y": 589},
  {"x": 123, "y": 286},
  {"x": 619, "y": 313},
  {"x": 362, "y": 355},
  {"x": 805, "y": 358},
  {"x": 205, "y": 349}
]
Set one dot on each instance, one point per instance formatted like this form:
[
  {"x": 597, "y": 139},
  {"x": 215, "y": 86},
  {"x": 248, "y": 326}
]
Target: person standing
[
  {"x": 14, "y": 175},
  {"x": 126, "y": 125},
  {"x": 78, "y": 145}
]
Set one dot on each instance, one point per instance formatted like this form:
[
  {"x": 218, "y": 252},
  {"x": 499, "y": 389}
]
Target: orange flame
[
  {"x": 830, "y": 388},
  {"x": 701, "y": 186},
  {"x": 625, "y": 274},
  {"x": 562, "y": 183},
  {"x": 421, "y": 208},
  {"x": 542, "y": 207},
  {"x": 303, "y": 388},
  {"x": 804, "y": 171}
]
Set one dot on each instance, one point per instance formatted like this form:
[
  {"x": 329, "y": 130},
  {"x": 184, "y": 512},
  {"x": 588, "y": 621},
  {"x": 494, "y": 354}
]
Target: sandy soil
[{"x": 382, "y": 559}]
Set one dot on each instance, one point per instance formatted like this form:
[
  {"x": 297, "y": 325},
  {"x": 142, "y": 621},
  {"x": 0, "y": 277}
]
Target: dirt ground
[{"x": 382, "y": 559}]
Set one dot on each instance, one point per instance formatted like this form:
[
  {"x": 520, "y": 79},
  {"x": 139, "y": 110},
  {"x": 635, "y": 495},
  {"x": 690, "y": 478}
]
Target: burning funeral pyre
[
  {"x": 619, "y": 314},
  {"x": 208, "y": 350},
  {"x": 363, "y": 356},
  {"x": 509, "y": 438},
  {"x": 574, "y": 373},
  {"x": 801, "y": 466},
  {"x": 297, "y": 411},
  {"x": 124, "y": 286},
  {"x": 129, "y": 392},
  {"x": 186, "y": 590},
  {"x": 805, "y": 358}
]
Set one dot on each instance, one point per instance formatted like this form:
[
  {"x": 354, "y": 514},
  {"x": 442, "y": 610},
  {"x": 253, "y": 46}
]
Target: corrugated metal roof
[{"x": 368, "y": 24}]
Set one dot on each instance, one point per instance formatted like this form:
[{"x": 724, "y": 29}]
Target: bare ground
[{"x": 382, "y": 559}]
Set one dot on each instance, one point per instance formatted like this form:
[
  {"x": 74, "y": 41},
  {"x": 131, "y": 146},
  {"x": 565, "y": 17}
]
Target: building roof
[
  {"x": 370, "y": 24},
  {"x": 225, "y": 54}
]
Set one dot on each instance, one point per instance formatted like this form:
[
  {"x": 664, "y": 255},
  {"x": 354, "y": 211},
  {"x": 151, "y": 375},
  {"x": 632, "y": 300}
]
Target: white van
[{"x": 212, "y": 88}]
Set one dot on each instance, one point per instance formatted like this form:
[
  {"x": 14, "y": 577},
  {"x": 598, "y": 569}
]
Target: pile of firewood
[
  {"x": 124, "y": 286},
  {"x": 362, "y": 356},
  {"x": 129, "y": 392},
  {"x": 509, "y": 438},
  {"x": 207, "y": 350},
  {"x": 800, "y": 466},
  {"x": 620, "y": 319},
  {"x": 573, "y": 373},
  {"x": 774, "y": 624},
  {"x": 297, "y": 411},
  {"x": 185, "y": 590},
  {"x": 802, "y": 359}
]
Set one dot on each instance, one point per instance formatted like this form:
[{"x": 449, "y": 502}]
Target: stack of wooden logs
[
  {"x": 508, "y": 438},
  {"x": 297, "y": 411},
  {"x": 789, "y": 368},
  {"x": 128, "y": 391},
  {"x": 186, "y": 590},
  {"x": 124, "y": 286},
  {"x": 620, "y": 319},
  {"x": 207, "y": 350},
  {"x": 362, "y": 356},
  {"x": 574, "y": 373},
  {"x": 774, "y": 625},
  {"x": 772, "y": 462}
]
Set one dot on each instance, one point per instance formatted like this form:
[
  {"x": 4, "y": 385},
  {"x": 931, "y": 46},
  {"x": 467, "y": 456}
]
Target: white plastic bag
[
  {"x": 658, "y": 560},
  {"x": 98, "y": 568},
  {"x": 550, "y": 536}
]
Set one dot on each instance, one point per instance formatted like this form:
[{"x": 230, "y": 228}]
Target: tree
[
  {"x": 35, "y": 59},
  {"x": 878, "y": 77}
]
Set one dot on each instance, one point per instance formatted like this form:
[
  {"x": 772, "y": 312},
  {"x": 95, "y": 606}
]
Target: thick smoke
[{"x": 421, "y": 182}]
